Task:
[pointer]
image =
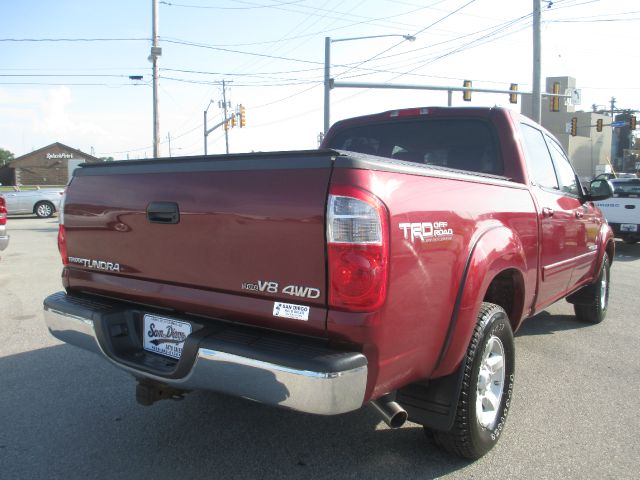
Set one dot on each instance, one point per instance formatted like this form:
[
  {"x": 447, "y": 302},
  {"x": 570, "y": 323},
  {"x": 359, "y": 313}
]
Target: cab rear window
[
  {"x": 462, "y": 144},
  {"x": 626, "y": 188}
]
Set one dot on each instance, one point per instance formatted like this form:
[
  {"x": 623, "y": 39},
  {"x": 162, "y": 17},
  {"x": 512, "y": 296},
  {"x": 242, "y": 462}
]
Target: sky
[{"x": 65, "y": 65}]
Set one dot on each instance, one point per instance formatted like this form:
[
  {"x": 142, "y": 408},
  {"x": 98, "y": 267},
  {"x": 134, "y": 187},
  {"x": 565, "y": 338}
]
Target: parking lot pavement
[{"x": 66, "y": 413}]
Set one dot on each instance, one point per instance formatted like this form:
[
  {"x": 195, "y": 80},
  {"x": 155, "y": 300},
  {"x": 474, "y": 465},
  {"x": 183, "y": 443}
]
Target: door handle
[
  {"x": 547, "y": 212},
  {"x": 163, "y": 212}
]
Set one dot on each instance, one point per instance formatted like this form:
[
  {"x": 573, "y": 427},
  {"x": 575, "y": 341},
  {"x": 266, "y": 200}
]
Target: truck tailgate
[
  {"x": 621, "y": 210},
  {"x": 236, "y": 234}
]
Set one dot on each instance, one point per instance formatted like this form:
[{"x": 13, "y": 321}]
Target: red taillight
[
  {"x": 62, "y": 245},
  {"x": 357, "y": 238},
  {"x": 3, "y": 212}
]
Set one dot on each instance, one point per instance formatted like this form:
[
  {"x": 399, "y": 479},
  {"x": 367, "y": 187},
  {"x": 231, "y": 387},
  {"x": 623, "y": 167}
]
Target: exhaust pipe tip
[{"x": 391, "y": 412}]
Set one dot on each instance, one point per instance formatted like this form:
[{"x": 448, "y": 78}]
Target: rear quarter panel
[{"x": 405, "y": 339}]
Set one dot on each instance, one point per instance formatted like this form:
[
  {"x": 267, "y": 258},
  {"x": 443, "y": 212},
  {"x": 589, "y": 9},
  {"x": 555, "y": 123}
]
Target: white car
[
  {"x": 44, "y": 203},
  {"x": 622, "y": 211}
]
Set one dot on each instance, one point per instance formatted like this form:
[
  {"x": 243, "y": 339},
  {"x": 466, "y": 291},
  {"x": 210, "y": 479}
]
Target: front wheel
[
  {"x": 487, "y": 387},
  {"x": 44, "y": 209},
  {"x": 598, "y": 295}
]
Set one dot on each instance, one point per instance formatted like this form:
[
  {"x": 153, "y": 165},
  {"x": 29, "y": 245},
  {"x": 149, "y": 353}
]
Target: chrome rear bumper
[{"x": 269, "y": 368}]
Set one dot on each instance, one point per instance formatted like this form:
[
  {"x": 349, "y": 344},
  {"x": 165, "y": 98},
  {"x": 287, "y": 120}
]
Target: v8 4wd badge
[{"x": 273, "y": 287}]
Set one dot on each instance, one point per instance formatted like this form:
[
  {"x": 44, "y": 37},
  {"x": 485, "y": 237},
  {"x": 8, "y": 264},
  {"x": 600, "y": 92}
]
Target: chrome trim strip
[{"x": 572, "y": 262}]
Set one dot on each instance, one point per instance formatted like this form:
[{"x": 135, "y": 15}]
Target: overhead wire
[{"x": 414, "y": 35}]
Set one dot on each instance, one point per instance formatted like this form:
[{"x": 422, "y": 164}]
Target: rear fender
[{"x": 494, "y": 250}]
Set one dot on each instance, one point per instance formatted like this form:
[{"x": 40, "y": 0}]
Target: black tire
[
  {"x": 44, "y": 209},
  {"x": 477, "y": 429},
  {"x": 598, "y": 293}
]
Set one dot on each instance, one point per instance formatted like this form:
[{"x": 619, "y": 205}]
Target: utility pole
[
  {"x": 224, "y": 101},
  {"x": 169, "y": 140},
  {"x": 228, "y": 120},
  {"x": 613, "y": 107},
  {"x": 156, "y": 51},
  {"x": 536, "y": 96}
]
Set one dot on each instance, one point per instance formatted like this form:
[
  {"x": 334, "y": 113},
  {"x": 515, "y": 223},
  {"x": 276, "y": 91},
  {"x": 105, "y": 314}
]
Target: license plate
[
  {"x": 628, "y": 227},
  {"x": 165, "y": 336}
]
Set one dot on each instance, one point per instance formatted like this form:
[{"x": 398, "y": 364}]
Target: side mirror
[{"x": 600, "y": 189}]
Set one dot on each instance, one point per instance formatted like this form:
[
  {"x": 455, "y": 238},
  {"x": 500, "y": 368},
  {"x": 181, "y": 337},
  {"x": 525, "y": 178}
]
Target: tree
[
  {"x": 106, "y": 159},
  {"x": 5, "y": 157}
]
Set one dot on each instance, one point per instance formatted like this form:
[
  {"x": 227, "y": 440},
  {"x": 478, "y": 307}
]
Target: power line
[
  {"x": 72, "y": 75},
  {"x": 211, "y": 47},
  {"x": 414, "y": 35},
  {"x": 214, "y": 7},
  {"x": 603, "y": 20},
  {"x": 74, "y": 39},
  {"x": 55, "y": 84}
]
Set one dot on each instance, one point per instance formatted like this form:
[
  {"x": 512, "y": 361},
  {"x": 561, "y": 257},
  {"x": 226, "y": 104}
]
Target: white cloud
[{"x": 55, "y": 119}]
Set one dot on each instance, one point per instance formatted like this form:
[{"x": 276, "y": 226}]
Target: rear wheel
[
  {"x": 598, "y": 293},
  {"x": 486, "y": 388},
  {"x": 44, "y": 209}
]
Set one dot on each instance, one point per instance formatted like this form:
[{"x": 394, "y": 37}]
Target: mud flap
[{"x": 433, "y": 404}]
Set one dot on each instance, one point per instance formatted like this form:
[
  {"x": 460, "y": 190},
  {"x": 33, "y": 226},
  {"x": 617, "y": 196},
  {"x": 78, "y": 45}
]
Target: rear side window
[
  {"x": 566, "y": 175},
  {"x": 464, "y": 144},
  {"x": 538, "y": 158}
]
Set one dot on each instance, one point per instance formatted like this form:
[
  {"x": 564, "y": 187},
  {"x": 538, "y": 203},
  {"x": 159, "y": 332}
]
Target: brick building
[{"x": 50, "y": 165}]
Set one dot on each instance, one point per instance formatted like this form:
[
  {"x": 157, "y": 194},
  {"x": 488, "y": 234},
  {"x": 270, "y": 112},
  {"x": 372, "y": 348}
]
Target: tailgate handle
[
  {"x": 630, "y": 207},
  {"x": 163, "y": 212}
]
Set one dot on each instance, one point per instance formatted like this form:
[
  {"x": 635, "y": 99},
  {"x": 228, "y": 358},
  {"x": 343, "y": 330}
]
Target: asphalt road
[{"x": 66, "y": 413}]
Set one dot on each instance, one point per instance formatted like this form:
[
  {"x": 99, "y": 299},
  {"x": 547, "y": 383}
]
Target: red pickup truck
[{"x": 391, "y": 267}]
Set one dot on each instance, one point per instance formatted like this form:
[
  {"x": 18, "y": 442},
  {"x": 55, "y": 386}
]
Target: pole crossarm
[{"x": 400, "y": 86}]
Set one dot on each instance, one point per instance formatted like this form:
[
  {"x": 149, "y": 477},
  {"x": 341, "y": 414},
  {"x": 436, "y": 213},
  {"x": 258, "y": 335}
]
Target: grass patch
[{"x": 9, "y": 188}]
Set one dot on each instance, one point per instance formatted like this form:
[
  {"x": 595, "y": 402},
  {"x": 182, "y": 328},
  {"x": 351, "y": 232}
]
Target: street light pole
[
  {"x": 327, "y": 79},
  {"x": 226, "y": 130},
  {"x": 205, "y": 126},
  {"x": 327, "y": 68}
]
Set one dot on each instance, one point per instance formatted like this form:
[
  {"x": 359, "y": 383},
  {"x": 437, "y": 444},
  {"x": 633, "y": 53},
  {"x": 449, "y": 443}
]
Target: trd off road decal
[{"x": 426, "y": 231}]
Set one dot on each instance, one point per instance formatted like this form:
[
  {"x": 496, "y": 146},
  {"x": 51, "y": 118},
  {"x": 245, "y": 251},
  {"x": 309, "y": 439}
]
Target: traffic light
[
  {"x": 233, "y": 120},
  {"x": 555, "y": 101},
  {"x": 599, "y": 125},
  {"x": 466, "y": 94},
  {"x": 574, "y": 126},
  {"x": 243, "y": 117},
  {"x": 513, "y": 97},
  {"x": 632, "y": 122}
]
